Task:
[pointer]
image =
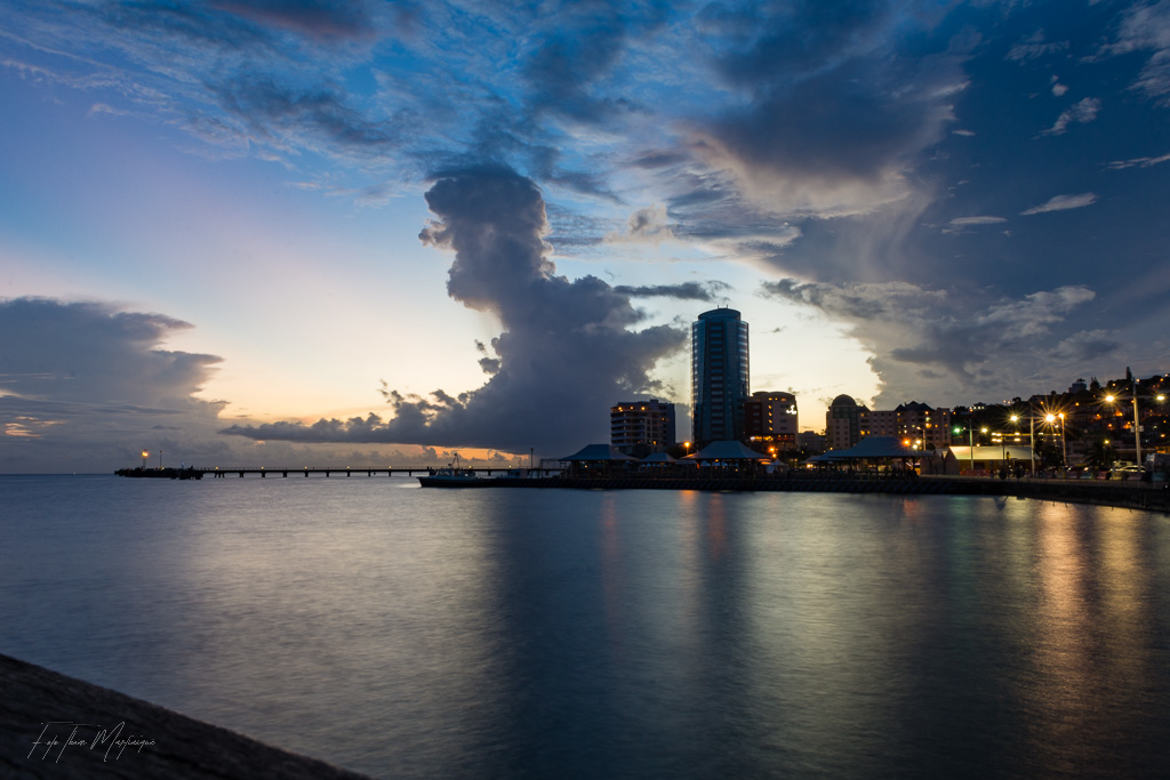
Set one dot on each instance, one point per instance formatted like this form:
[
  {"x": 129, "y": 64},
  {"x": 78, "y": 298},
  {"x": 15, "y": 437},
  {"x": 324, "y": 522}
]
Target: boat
[{"x": 452, "y": 475}]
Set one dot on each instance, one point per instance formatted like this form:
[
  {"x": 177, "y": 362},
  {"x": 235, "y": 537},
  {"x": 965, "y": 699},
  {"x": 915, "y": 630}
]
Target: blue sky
[{"x": 237, "y": 230}]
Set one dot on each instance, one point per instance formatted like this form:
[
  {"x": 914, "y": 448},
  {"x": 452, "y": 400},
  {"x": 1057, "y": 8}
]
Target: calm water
[{"x": 407, "y": 632}]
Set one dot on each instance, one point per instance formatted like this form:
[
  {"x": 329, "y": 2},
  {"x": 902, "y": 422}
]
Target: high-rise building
[
  {"x": 719, "y": 375},
  {"x": 843, "y": 423},
  {"x": 770, "y": 420},
  {"x": 641, "y": 427}
]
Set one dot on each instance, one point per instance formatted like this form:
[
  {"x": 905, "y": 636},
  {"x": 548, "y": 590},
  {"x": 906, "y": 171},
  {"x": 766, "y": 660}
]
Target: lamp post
[
  {"x": 970, "y": 445},
  {"x": 1137, "y": 427},
  {"x": 1015, "y": 418},
  {"x": 1051, "y": 420},
  {"x": 145, "y": 455}
]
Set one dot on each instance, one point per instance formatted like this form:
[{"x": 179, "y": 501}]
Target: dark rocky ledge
[{"x": 38, "y": 705}]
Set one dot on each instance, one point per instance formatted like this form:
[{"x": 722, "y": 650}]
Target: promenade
[{"x": 1130, "y": 494}]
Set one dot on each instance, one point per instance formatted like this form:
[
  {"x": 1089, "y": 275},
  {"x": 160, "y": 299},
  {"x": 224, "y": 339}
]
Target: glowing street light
[
  {"x": 970, "y": 442},
  {"x": 145, "y": 455},
  {"x": 1137, "y": 425}
]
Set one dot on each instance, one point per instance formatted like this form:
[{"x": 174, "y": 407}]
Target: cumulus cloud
[
  {"x": 933, "y": 341},
  {"x": 86, "y": 382},
  {"x": 646, "y": 225},
  {"x": 1081, "y": 112},
  {"x": 566, "y": 353},
  {"x": 1063, "y": 203}
]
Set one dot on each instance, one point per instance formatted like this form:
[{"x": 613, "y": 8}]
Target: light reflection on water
[{"x": 407, "y": 632}]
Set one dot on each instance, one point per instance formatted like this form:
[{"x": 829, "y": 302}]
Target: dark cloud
[
  {"x": 934, "y": 341},
  {"x": 584, "y": 46},
  {"x": 801, "y": 37},
  {"x": 275, "y": 111},
  {"x": 325, "y": 19},
  {"x": 566, "y": 352},
  {"x": 83, "y": 384},
  {"x": 687, "y": 291}
]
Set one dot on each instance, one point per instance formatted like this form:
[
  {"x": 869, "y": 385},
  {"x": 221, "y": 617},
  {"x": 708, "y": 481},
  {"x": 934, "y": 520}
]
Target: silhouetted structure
[
  {"x": 770, "y": 420},
  {"x": 843, "y": 423},
  {"x": 719, "y": 375},
  {"x": 641, "y": 427}
]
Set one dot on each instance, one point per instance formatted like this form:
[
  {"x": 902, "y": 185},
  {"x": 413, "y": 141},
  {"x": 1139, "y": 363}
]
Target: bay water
[{"x": 407, "y": 632}]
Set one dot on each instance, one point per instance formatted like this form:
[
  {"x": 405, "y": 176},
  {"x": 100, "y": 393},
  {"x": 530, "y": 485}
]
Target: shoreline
[
  {"x": 1120, "y": 494},
  {"x": 53, "y": 725}
]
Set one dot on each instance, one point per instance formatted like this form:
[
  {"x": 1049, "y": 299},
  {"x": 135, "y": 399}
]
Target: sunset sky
[{"x": 264, "y": 232}]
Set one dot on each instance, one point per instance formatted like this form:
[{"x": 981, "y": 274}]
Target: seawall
[
  {"x": 54, "y": 726},
  {"x": 1129, "y": 495}
]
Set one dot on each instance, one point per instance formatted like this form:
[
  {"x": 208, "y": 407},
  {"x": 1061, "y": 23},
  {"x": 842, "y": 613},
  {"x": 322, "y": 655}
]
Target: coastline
[
  {"x": 52, "y": 725},
  {"x": 1124, "y": 495}
]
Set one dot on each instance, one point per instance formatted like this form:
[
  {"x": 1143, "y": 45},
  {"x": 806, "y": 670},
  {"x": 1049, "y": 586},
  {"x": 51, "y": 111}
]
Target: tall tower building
[{"x": 719, "y": 375}]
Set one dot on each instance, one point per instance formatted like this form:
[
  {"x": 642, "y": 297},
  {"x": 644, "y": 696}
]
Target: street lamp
[
  {"x": 1051, "y": 419},
  {"x": 1137, "y": 426},
  {"x": 971, "y": 444},
  {"x": 1015, "y": 418},
  {"x": 145, "y": 455}
]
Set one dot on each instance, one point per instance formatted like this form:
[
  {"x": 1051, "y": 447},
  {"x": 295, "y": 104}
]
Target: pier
[{"x": 219, "y": 472}]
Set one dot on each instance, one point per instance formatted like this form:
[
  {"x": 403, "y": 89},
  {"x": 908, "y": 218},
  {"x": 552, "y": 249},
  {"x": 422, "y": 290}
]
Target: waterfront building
[
  {"x": 914, "y": 422},
  {"x": 770, "y": 420},
  {"x": 843, "y": 423},
  {"x": 641, "y": 427},
  {"x": 719, "y": 375},
  {"x": 812, "y": 442}
]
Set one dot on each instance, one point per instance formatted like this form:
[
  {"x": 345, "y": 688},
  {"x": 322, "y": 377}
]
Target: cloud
[
  {"x": 1144, "y": 27},
  {"x": 1062, "y": 203},
  {"x": 1035, "y": 47},
  {"x": 687, "y": 291},
  {"x": 836, "y": 118},
  {"x": 1138, "y": 162},
  {"x": 566, "y": 352},
  {"x": 646, "y": 225},
  {"x": 277, "y": 113},
  {"x": 336, "y": 19},
  {"x": 83, "y": 382},
  {"x": 933, "y": 342},
  {"x": 1081, "y": 112},
  {"x": 965, "y": 221}
]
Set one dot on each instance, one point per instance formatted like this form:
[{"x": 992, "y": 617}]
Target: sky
[{"x": 268, "y": 232}]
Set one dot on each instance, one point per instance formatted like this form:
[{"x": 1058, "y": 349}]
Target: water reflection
[{"x": 498, "y": 633}]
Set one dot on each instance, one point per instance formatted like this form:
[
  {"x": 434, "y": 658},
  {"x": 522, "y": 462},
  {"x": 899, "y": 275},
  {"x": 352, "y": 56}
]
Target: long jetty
[{"x": 218, "y": 472}]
